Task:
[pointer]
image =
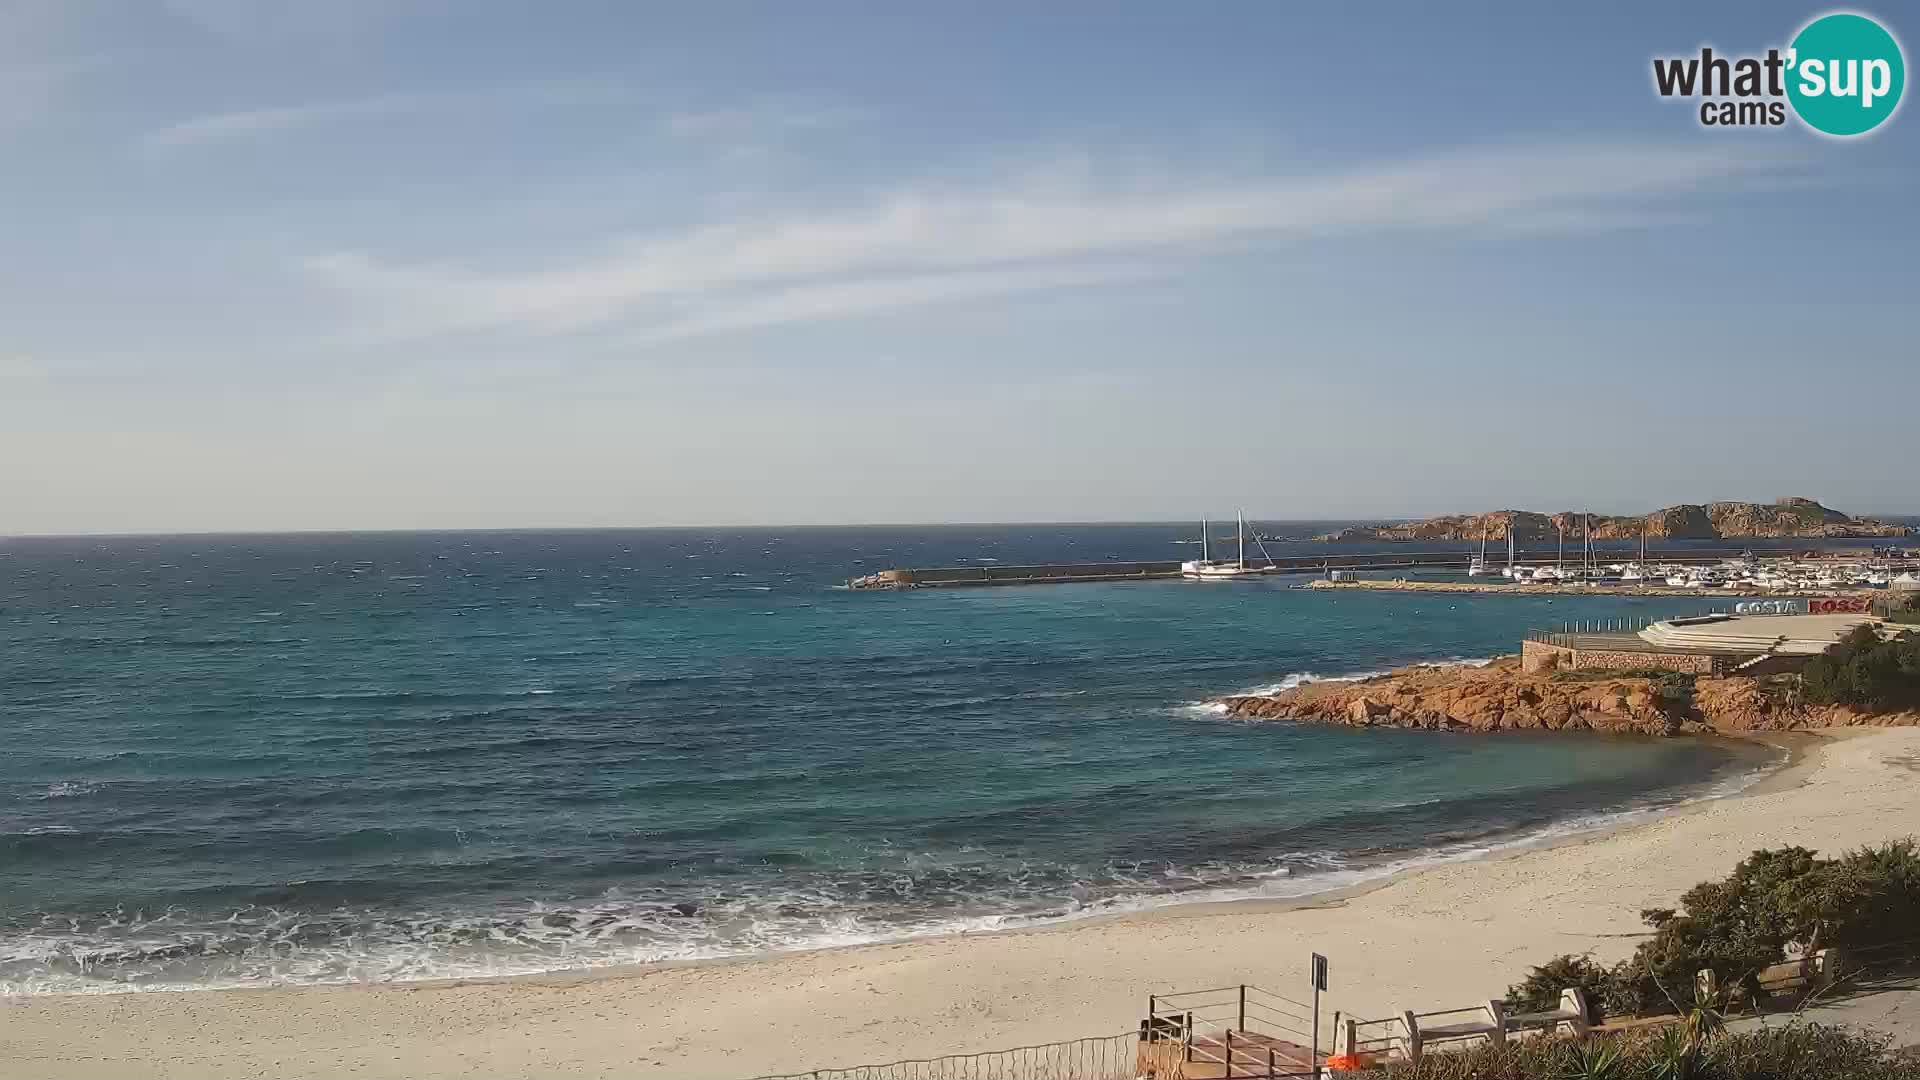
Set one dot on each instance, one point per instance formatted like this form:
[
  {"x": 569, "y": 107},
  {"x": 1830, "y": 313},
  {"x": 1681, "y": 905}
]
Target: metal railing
[
  {"x": 1111, "y": 1057},
  {"x": 1375, "y": 1039},
  {"x": 1243, "y": 1031}
]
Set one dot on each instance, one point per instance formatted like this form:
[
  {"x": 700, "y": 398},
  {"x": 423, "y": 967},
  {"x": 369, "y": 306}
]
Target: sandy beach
[{"x": 1440, "y": 937}]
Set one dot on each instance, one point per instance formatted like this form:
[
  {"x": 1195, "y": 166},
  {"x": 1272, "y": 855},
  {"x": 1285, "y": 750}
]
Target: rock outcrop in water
[
  {"x": 1788, "y": 517},
  {"x": 1501, "y": 697}
]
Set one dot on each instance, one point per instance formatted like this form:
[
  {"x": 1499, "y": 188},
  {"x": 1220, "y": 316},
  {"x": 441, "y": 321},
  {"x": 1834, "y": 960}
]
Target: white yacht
[{"x": 1207, "y": 568}]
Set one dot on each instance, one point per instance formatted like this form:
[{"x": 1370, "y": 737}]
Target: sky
[{"x": 473, "y": 264}]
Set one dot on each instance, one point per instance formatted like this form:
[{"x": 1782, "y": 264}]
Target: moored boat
[{"x": 1206, "y": 568}]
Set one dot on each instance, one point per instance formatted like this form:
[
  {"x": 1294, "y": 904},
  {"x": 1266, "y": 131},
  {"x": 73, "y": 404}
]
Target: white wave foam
[
  {"x": 1290, "y": 681},
  {"x": 1301, "y": 678},
  {"x": 1295, "y": 679},
  {"x": 619, "y": 932},
  {"x": 67, "y": 789},
  {"x": 543, "y": 940}
]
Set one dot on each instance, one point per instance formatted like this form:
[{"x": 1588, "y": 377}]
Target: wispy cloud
[
  {"x": 839, "y": 300},
  {"x": 918, "y": 248},
  {"x": 758, "y": 120},
  {"x": 255, "y": 123}
]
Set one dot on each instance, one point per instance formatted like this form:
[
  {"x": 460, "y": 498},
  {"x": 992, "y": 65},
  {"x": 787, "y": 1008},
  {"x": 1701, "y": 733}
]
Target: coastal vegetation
[
  {"x": 1793, "y": 1052},
  {"x": 1865, "y": 672},
  {"x": 1777, "y": 905}
]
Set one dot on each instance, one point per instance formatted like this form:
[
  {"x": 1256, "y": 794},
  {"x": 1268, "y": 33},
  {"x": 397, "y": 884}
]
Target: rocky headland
[
  {"x": 1501, "y": 697},
  {"x": 1783, "y": 518}
]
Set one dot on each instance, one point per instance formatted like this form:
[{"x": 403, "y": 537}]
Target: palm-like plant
[
  {"x": 1674, "y": 1054},
  {"x": 1598, "y": 1059}
]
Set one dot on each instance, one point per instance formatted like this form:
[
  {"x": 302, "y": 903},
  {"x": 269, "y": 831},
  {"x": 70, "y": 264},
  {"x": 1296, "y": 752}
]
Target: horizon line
[{"x": 762, "y": 526}]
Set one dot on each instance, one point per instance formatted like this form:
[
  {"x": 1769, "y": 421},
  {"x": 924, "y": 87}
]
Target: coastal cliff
[
  {"x": 1783, "y": 518},
  {"x": 1501, "y": 697}
]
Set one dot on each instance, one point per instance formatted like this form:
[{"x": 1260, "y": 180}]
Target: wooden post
[
  {"x": 1228, "y": 1043},
  {"x": 1243, "y": 1007},
  {"x": 1412, "y": 1024}
]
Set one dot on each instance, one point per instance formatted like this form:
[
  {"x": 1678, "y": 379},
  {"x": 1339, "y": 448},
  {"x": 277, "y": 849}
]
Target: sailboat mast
[
  {"x": 1204, "y": 526},
  {"x": 1241, "y": 532},
  {"x": 1509, "y": 540}
]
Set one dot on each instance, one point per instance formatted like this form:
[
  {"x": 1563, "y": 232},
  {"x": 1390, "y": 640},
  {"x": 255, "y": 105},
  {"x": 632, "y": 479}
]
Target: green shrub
[
  {"x": 1778, "y": 903},
  {"x": 1865, "y": 672},
  {"x": 1540, "y": 990},
  {"x": 1794, "y": 1052}
]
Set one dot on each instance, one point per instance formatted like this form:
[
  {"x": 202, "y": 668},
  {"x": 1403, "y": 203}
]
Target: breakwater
[
  {"x": 992, "y": 573},
  {"x": 1036, "y": 574}
]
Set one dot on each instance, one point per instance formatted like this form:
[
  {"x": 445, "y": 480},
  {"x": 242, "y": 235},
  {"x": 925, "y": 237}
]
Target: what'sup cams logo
[{"x": 1842, "y": 76}]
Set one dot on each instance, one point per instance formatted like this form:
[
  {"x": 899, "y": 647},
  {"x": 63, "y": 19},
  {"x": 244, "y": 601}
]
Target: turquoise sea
[{"x": 318, "y": 758}]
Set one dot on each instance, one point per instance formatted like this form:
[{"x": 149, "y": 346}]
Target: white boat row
[{"x": 1778, "y": 575}]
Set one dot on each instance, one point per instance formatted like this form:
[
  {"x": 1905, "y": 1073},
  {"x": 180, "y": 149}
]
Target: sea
[{"x": 330, "y": 758}]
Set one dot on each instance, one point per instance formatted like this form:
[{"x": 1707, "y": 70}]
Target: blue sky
[{"x": 435, "y": 264}]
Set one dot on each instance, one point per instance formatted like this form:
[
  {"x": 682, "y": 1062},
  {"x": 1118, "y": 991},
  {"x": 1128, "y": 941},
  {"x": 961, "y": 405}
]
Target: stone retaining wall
[{"x": 1539, "y": 656}]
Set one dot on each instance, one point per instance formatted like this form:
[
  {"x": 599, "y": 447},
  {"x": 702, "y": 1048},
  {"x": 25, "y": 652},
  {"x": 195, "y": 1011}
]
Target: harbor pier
[{"x": 993, "y": 573}]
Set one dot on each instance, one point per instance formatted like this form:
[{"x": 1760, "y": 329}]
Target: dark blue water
[{"x": 319, "y": 758}]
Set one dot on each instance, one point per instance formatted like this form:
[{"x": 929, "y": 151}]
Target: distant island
[{"x": 1789, "y": 517}]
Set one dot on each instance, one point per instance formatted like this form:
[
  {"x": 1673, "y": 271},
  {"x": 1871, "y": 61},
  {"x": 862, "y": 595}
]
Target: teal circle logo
[{"x": 1845, "y": 74}]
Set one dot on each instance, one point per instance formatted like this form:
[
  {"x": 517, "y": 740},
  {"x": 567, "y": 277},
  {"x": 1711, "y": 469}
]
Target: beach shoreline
[
  {"x": 1429, "y": 937},
  {"x": 1795, "y": 749}
]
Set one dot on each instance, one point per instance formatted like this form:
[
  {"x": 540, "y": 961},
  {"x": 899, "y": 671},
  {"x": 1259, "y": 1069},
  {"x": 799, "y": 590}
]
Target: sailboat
[
  {"x": 1479, "y": 565},
  {"x": 1207, "y": 568},
  {"x": 1636, "y": 571}
]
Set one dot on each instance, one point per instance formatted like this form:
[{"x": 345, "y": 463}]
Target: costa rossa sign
[{"x": 1839, "y": 605}]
